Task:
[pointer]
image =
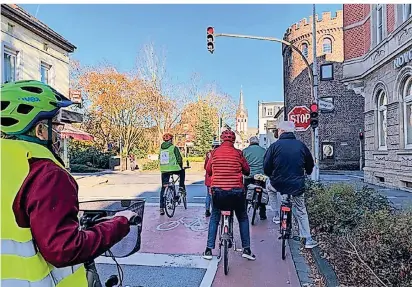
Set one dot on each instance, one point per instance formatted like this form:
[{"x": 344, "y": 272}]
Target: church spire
[{"x": 241, "y": 108}]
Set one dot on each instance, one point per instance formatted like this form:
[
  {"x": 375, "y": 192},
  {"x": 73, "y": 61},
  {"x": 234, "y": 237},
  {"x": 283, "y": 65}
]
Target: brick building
[
  {"x": 378, "y": 66},
  {"x": 338, "y": 129}
]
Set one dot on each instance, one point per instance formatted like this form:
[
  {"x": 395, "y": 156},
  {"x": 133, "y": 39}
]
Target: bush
[
  {"x": 83, "y": 153},
  {"x": 81, "y": 168},
  {"x": 358, "y": 230},
  {"x": 151, "y": 165}
]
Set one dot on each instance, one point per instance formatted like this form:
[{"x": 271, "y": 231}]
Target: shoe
[
  {"x": 263, "y": 217},
  {"x": 310, "y": 243},
  {"x": 207, "y": 254},
  {"x": 207, "y": 213},
  {"x": 276, "y": 219},
  {"x": 247, "y": 253},
  {"x": 162, "y": 211}
]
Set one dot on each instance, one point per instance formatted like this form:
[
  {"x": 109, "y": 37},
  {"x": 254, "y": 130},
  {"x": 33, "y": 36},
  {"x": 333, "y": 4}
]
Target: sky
[{"x": 116, "y": 34}]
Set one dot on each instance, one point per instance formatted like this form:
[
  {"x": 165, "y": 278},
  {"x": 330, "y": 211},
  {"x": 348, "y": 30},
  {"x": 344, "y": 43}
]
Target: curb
[
  {"x": 301, "y": 265},
  {"x": 325, "y": 269}
]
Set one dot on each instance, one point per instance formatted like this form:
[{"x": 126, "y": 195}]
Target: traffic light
[
  {"x": 361, "y": 135},
  {"x": 314, "y": 115},
  {"x": 210, "y": 39}
]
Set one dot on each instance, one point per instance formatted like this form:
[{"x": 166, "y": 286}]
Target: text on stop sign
[{"x": 300, "y": 119}]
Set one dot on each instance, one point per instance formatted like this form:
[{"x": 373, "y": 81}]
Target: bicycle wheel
[
  {"x": 254, "y": 213},
  {"x": 170, "y": 201},
  {"x": 185, "y": 200},
  {"x": 283, "y": 244},
  {"x": 226, "y": 257}
]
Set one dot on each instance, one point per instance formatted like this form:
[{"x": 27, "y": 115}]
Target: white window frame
[
  {"x": 269, "y": 112},
  {"x": 405, "y": 13},
  {"x": 14, "y": 54},
  {"x": 407, "y": 100},
  {"x": 47, "y": 67},
  {"x": 305, "y": 49},
  {"x": 381, "y": 108},
  {"x": 379, "y": 36},
  {"x": 326, "y": 45}
]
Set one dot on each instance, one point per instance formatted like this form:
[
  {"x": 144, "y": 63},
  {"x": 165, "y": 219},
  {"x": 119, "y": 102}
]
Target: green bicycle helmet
[{"x": 25, "y": 103}]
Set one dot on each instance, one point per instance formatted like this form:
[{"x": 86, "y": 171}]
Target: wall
[
  {"x": 339, "y": 128},
  {"x": 276, "y": 106},
  {"x": 31, "y": 54}
]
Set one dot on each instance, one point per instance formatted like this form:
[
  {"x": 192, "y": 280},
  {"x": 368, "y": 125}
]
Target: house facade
[{"x": 378, "y": 66}]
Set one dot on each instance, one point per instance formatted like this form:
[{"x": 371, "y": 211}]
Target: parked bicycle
[
  {"x": 257, "y": 194},
  {"x": 173, "y": 198},
  {"x": 285, "y": 222},
  {"x": 94, "y": 212}
]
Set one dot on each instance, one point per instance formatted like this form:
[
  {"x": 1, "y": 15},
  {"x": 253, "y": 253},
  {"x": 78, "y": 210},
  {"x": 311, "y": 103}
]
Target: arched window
[
  {"x": 382, "y": 119},
  {"x": 407, "y": 111},
  {"x": 305, "y": 49},
  {"x": 327, "y": 46}
]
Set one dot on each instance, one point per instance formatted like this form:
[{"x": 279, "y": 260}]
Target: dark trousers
[
  {"x": 262, "y": 207},
  {"x": 229, "y": 200},
  {"x": 165, "y": 181}
]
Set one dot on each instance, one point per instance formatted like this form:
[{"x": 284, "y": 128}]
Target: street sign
[
  {"x": 326, "y": 106},
  {"x": 300, "y": 115}
]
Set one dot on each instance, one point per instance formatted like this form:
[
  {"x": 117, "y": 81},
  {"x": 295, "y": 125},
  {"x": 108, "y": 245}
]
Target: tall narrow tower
[{"x": 241, "y": 117}]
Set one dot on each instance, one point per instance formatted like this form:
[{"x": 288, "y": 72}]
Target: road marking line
[
  {"x": 199, "y": 197},
  {"x": 210, "y": 274}
]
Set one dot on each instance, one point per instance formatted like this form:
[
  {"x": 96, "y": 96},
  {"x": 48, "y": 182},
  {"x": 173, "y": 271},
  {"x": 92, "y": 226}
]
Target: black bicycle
[
  {"x": 95, "y": 212},
  {"x": 173, "y": 198},
  {"x": 257, "y": 195},
  {"x": 285, "y": 222},
  {"x": 226, "y": 238}
]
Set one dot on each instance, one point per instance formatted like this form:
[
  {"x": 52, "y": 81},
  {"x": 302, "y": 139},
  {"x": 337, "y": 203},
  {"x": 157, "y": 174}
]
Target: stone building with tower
[
  {"x": 339, "y": 143},
  {"x": 378, "y": 67},
  {"x": 241, "y": 129}
]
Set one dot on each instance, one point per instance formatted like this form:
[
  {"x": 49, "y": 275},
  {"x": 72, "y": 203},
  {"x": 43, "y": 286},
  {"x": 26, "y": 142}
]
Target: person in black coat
[{"x": 286, "y": 162}]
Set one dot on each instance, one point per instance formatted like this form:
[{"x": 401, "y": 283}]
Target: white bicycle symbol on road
[{"x": 195, "y": 224}]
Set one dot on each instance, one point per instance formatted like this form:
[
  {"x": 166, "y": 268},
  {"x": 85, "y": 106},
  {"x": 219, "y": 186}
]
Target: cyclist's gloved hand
[{"x": 126, "y": 213}]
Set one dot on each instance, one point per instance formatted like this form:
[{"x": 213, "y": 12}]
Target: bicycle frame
[
  {"x": 285, "y": 223},
  {"x": 226, "y": 238}
]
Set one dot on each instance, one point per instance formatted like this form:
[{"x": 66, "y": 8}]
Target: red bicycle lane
[{"x": 186, "y": 234}]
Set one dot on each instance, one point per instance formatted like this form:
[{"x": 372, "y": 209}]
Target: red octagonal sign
[{"x": 300, "y": 115}]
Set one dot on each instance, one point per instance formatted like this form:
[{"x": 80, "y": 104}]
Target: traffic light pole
[
  {"x": 315, "y": 134},
  {"x": 312, "y": 78}
]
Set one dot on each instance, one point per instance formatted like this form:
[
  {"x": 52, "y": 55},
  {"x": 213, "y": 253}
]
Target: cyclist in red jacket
[{"x": 226, "y": 167}]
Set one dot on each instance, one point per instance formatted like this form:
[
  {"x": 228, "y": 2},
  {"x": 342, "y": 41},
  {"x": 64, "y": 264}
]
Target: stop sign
[{"x": 300, "y": 115}]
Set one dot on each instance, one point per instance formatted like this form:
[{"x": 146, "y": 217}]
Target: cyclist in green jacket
[{"x": 171, "y": 162}]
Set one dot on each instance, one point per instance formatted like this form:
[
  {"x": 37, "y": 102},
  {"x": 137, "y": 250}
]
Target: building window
[
  {"x": 326, "y": 72},
  {"x": 269, "y": 112},
  {"x": 45, "y": 73},
  {"x": 407, "y": 99},
  {"x": 379, "y": 23},
  {"x": 305, "y": 50},
  {"x": 407, "y": 11},
  {"x": 9, "y": 68},
  {"x": 382, "y": 119},
  {"x": 10, "y": 28},
  {"x": 327, "y": 46}
]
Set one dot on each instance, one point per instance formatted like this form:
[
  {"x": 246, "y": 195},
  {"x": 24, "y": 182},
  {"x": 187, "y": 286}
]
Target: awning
[{"x": 70, "y": 131}]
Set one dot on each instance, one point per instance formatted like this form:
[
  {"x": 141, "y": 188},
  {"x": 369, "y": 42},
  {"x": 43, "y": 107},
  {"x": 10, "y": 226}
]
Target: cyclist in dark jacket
[{"x": 285, "y": 162}]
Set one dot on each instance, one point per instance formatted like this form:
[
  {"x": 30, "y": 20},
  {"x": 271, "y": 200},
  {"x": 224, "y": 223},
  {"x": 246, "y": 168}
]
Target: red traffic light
[
  {"x": 314, "y": 108},
  {"x": 210, "y": 30}
]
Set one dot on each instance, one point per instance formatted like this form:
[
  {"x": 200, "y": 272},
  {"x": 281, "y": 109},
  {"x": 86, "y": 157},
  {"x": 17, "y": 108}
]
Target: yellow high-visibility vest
[{"x": 21, "y": 262}]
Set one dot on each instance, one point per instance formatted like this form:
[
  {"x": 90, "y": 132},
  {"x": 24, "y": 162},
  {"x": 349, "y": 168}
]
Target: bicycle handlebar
[{"x": 101, "y": 217}]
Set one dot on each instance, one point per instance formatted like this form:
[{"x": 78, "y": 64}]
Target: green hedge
[
  {"x": 81, "y": 168},
  {"x": 358, "y": 230},
  {"x": 84, "y": 153}
]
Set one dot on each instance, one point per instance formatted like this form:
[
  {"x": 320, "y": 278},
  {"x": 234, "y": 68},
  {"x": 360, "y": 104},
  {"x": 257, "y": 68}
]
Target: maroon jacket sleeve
[
  {"x": 206, "y": 160},
  {"x": 52, "y": 207},
  {"x": 245, "y": 165},
  {"x": 209, "y": 165}
]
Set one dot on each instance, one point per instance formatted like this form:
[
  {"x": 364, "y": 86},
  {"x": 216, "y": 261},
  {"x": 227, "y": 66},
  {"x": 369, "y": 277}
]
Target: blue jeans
[
  {"x": 208, "y": 198},
  {"x": 242, "y": 218}
]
